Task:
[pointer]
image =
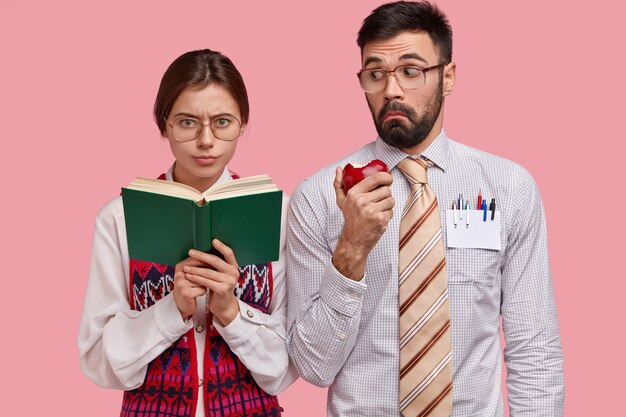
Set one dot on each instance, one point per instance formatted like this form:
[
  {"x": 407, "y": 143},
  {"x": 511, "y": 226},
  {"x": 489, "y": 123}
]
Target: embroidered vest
[{"x": 170, "y": 388}]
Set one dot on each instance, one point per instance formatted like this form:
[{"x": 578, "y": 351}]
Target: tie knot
[{"x": 414, "y": 170}]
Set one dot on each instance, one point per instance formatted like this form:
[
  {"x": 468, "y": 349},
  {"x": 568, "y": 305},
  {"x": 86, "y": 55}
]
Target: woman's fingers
[
  {"x": 229, "y": 255},
  {"x": 208, "y": 274},
  {"x": 228, "y": 263}
]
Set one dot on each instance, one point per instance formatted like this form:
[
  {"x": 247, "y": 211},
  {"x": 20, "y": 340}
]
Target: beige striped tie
[{"x": 425, "y": 349}]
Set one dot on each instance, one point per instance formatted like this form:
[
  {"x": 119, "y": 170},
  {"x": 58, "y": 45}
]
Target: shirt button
[
  {"x": 354, "y": 295},
  {"x": 342, "y": 336},
  {"x": 249, "y": 313},
  {"x": 199, "y": 328}
]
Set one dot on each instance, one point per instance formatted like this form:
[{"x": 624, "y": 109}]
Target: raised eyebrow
[
  {"x": 371, "y": 59},
  {"x": 413, "y": 55}
]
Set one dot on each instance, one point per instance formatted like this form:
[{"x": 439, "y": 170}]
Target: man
[{"x": 387, "y": 307}]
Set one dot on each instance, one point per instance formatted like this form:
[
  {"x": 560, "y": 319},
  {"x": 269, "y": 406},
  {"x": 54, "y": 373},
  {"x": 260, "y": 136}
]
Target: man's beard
[{"x": 395, "y": 132}]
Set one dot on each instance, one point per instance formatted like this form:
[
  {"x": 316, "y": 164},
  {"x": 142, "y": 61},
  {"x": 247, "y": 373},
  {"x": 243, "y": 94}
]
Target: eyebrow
[
  {"x": 195, "y": 116},
  {"x": 190, "y": 115},
  {"x": 411, "y": 55}
]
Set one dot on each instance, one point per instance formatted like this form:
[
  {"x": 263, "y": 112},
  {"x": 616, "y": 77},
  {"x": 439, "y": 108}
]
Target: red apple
[{"x": 353, "y": 174}]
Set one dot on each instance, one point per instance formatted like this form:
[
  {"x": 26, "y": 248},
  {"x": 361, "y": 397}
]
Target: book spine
[{"x": 202, "y": 228}]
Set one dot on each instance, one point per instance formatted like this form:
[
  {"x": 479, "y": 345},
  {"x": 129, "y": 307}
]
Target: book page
[
  {"x": 263, "y": 188},
  {"x": 240, "y": 184},
  {"x": 174, "y": 189}
]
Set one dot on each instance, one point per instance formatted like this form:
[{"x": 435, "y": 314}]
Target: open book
[
  {"x": 165, "y": 219},
  {"x": 241, "y": 186}
]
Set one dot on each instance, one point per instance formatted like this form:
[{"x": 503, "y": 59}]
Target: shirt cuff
[
  {"x": 340, "y": 293},
  {"x": 243, "y": 326},
  {"x": 168, "y": 319}
]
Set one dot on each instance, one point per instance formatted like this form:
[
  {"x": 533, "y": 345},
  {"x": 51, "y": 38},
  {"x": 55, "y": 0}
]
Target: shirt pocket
[{"x": 473, "y": 266}]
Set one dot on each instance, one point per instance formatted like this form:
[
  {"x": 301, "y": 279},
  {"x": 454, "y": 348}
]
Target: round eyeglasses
[
  {"x": 408, "y": 77},
  {"x": 224, "y": 127}
]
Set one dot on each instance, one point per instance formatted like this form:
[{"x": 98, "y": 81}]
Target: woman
[{"x": 176, "y": 338}]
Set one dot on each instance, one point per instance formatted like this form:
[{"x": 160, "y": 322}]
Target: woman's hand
[
  {"x": 186, "y": 291},
  {"x": 219, "y": 277}
]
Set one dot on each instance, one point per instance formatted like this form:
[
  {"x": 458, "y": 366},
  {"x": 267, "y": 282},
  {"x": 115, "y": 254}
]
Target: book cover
[{"x": 162, "y": 228}]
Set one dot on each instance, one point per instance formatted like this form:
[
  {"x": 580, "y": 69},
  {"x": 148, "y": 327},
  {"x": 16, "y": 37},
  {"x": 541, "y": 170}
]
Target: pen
[
  {"x": 492, "y": 207},
  {"x": 454, "y": 212},
  {"x": 483, "y": 207},
  {"x": 480, "y": 200},
  {"x": 467, "y": 209},
  {"x": 461, "y": 206}
]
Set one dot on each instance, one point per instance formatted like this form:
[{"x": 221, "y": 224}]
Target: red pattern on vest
[{"x": 170, "y": 388}]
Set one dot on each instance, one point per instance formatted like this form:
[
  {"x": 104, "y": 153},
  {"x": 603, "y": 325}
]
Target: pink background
[{"x": 538, "y": 82}]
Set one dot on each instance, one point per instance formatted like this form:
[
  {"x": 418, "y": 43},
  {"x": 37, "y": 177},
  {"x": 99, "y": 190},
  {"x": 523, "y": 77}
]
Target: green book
[{"x": 165, "y": 219}]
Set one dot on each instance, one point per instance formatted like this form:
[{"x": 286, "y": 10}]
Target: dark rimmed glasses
[
  {"x": 408, "y": 77},
  {"x": 224, "y": 127}
]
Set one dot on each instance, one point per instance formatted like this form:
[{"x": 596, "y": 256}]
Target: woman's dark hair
[
  {"x": 198, "y": 69},
  {"x": 391, "y": 19}
]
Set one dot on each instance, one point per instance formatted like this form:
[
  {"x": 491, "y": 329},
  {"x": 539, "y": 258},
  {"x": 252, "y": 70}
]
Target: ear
[{"x": 449, "y": 78}]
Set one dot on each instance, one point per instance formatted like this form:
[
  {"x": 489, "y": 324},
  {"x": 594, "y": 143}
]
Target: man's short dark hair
[{"x": 391, "y": 19}]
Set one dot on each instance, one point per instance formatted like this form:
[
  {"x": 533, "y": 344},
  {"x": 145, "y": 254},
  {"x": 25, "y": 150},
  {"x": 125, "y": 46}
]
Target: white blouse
[{"x": 116, "y": 343}]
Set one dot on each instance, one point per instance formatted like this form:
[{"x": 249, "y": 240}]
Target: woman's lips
[{"x": 205, "y": 160}]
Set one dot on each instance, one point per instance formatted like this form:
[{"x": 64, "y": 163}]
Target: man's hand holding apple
[{"x": 364, "y": 197}]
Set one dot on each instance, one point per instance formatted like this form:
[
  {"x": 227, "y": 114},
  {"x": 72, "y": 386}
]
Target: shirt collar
[{"x": 437, "y": 152}]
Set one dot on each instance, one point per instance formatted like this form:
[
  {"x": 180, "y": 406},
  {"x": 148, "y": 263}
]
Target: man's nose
[{"x": 393, "y": 91}]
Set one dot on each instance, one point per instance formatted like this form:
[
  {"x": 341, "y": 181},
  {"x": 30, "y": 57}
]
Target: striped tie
[{"x": 425, "y": 349}]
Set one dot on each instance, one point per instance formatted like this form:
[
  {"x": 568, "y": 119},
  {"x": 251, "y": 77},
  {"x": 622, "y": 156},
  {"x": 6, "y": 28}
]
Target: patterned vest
[{"x": 170, "y": 388}]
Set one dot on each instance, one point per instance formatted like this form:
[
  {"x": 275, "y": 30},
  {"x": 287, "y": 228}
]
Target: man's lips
[{"x": 394, "y": 114}]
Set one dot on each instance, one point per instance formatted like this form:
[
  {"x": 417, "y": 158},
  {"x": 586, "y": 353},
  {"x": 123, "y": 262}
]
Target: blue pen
[{"x": 484, "y": 209}]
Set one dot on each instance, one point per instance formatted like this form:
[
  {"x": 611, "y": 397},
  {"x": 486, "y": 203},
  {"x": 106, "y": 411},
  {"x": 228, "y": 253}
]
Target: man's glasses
[{"x": 409, "y": 77}]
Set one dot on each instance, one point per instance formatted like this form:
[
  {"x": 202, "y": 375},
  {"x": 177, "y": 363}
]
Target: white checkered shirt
[{"x": 344, "y": 334}]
